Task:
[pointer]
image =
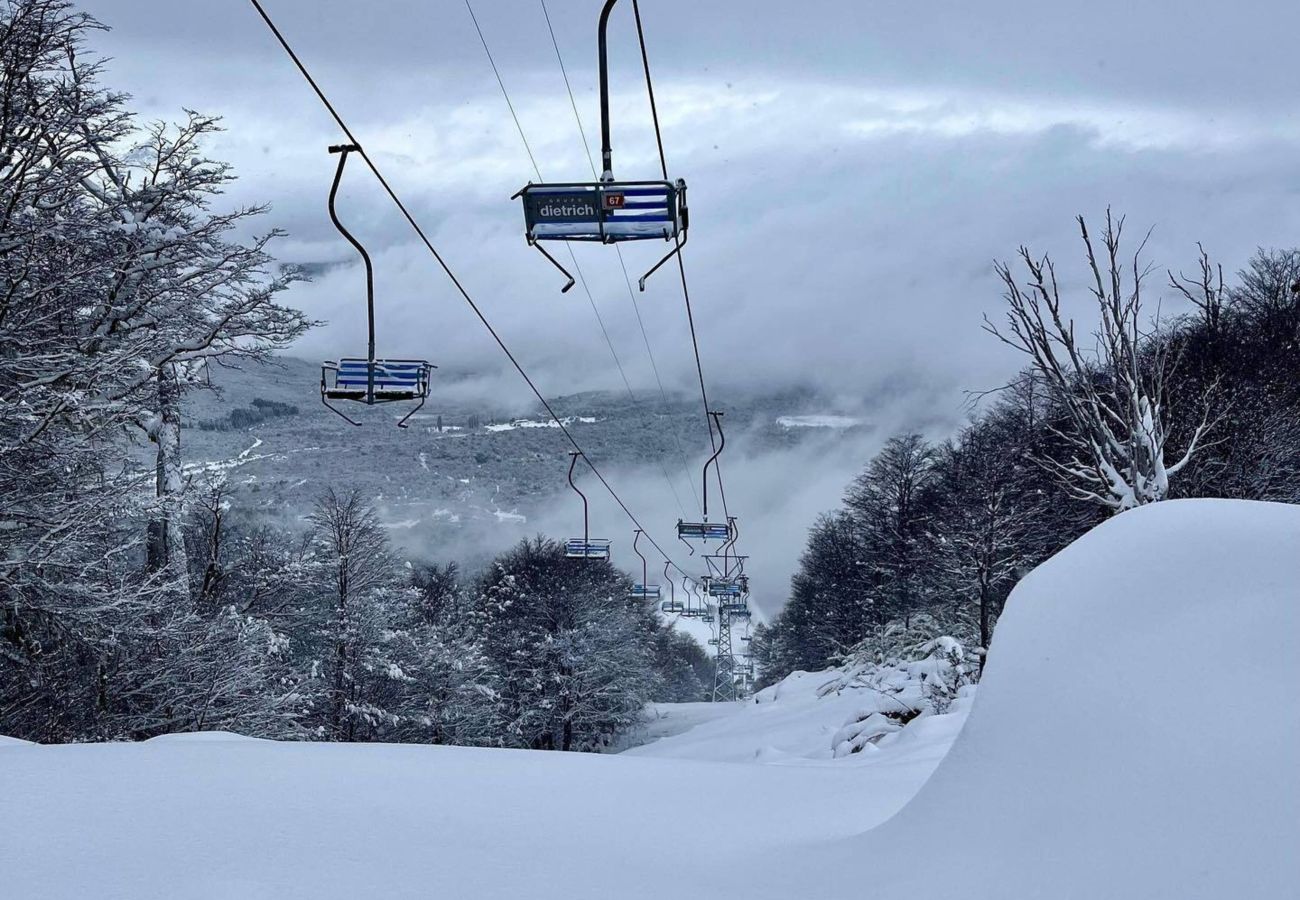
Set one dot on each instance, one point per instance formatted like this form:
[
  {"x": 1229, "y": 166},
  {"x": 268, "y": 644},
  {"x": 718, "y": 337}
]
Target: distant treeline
[{"x": 257, "y": 412}]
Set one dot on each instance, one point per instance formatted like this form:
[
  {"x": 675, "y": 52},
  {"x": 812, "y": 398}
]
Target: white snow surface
[
  {"x": 822, "y": 421},
  {"x": 1133, "y": 737}
]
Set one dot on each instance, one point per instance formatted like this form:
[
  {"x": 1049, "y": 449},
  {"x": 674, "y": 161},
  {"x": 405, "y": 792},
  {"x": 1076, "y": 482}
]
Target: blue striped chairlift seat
[
  {"x": 394, "y": 379},
  {"x": 703, "y": 531},
  {"x": 673, "y": 606},
  {"x": 578, "y": 548},
  {"x": 375, "y": 381},
  {"x": 606, "y": 212},
  {"x": 719, "y": 587},
  {"x": 645, "y": 592}
]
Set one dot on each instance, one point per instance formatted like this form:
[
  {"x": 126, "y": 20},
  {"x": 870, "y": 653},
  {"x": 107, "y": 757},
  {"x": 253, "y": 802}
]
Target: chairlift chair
[
  {"x": 706, "y": 530},
  {"x": 703, "y": 531},
  {"x": 605, "y": 211},
  {"x": 370, "y": 380},
  {"x": 645, "y": 592},
  {"x": 724, "y": 588},
  {"x": 673, "y": 607},
  {"x": 585, "y": 547}
]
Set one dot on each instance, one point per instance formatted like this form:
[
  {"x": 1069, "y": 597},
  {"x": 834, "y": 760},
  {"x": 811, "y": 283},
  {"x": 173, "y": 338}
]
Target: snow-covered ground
[
  {"x": 1134, "y": 737},
  {"x": 540, "y": 423},
  {"x": 222, "y": 816},
  {"x": 788, "y": 724},
  {"x": 823, "y": 421}
]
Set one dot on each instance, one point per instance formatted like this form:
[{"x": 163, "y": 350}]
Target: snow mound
[
  {"x": 199, "y": 737},
  {"x": 6, "y": 741},
  {"x": 798, "y": 722},
  {"x": 1134, "y": 734}
]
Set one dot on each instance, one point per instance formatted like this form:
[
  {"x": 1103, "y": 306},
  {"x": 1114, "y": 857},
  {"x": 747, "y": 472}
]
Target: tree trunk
[
  {"x": 985, "y": 624},
  {"x": 166, "y": 548}
]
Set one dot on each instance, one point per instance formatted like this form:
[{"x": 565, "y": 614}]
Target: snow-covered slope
[
  {"x": 220, "y": 816},
  {"x": 1134, "y": 737},
  {"x": 789, "y": 723},
  {"x": 1135, "y": 734}
]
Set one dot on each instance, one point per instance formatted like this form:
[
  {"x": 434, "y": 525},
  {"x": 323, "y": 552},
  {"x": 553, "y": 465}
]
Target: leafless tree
[{"x": 1111, "y": 395}]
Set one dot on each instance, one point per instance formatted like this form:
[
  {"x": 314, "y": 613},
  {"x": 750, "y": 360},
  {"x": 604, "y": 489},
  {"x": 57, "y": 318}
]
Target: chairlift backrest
[
  {"x": 591, "y": 548},
  {"x": 704, "y": 531},
  {"x": 608, "y": 212},
  {"x": 393, "y": 379}
]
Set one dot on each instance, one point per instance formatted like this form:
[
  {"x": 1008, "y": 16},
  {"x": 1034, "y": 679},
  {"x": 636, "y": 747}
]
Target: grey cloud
[{"x": 855, "y": 168}]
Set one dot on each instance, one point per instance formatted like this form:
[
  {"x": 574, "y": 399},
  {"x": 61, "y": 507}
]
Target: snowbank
[
  {"x": 790, "y": 724},
  {"x": 1135, "y": 734},
  {"x": 1134, "y": 737}
]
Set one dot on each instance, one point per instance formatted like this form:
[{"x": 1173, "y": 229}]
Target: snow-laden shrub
[{"x": 906, "y": 671}]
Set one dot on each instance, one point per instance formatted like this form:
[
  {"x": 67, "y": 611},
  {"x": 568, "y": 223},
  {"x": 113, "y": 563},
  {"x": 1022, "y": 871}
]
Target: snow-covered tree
[
  {"x": 1113, "y": 396},
  {"x": 984, "y": 528},
  {"x": 574, "y": 655},
  {"x": 891, "y": 504},
  {"x": 118, "y": 282},
  {"x": 363, "y": 605}
]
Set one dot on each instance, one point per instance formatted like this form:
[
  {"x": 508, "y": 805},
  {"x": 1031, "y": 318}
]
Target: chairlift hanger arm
[
  {"x": 573, "y": 462},
  {"x": 645, "y": 578},
  {"x": 712, "y": 460},
  {"x": 343, "y": 150},
  {"x": 606, "y": 152}
]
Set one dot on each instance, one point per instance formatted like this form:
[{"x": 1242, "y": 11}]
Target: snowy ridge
[{"x": 1087, "y": 760}]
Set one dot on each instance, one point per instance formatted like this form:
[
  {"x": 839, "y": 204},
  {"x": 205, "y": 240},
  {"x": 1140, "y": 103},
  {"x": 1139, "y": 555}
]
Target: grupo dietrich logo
[{"x": 566, "y": 208}]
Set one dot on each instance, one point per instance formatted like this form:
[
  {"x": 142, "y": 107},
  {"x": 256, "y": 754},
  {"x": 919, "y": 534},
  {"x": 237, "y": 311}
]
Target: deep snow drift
[
  {"x": 1134, "y": 736},
  {"x": 222, "y": 816}
]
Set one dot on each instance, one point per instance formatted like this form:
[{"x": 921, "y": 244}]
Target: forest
[
  {"x": 137, "y": 601},
  {"x": 933, "y": 535}
]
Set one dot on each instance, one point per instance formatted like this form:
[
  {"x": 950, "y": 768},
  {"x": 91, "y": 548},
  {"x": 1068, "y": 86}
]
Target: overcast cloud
[{"x": 854, "y": 167}]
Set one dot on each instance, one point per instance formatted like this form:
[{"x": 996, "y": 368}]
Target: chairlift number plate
[{"x": 614, "y": 201}]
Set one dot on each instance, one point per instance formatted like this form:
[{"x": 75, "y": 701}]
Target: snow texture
[{"x": 1085, "y": 770}]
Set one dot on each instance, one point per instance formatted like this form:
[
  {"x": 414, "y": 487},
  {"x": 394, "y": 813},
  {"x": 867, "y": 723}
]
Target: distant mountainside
[{"x": 482, "y": 481}]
